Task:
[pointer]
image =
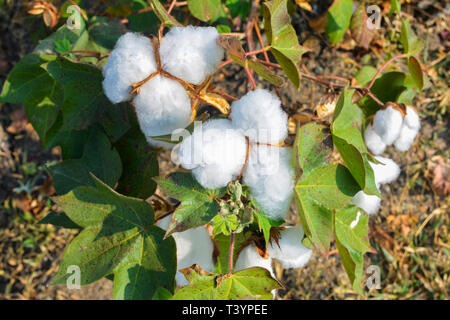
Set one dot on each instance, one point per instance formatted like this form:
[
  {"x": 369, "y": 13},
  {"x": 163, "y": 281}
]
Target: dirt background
[{"x": 410, "y": 235}]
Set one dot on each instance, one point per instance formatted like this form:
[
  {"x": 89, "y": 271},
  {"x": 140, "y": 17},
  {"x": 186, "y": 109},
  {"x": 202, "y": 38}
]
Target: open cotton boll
[
  {"x": 162, "y": 106},
  {"x": 387, "y": 123},
  {"x": 406, "y": 138},
  {"x": 373, "y": 141},
  {"x": 410, "y": 128},
  {"x": 259, "y": 116},
  {"x": 270, "y": 176},
  {"x": 132, "y": 60},
  {"x": 386, "y": 172},
  {"x": 215, "y": 153},
  {"x": 291, "y": 253},
  {"x": 193, "y": 246},
  {"x": 249, "y": 257},
  {"x": 369, "y": 203},
  {"x": 191, "y": 53}
]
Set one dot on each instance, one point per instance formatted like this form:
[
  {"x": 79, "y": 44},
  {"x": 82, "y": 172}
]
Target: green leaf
[
  {"x": 146, "y": 21},
  {"x": 162, "y": 294},
  {"x": 411, "y": 44},
  {"x": 28, "y": 82},
  {"x": 282, "y": 38},
  {"x": 205, "y": 10},
  {"x": 238, "y": 8},
  {"x": 223, "y": 245},
  {"x": 105, "y": 32},
  {"x": 359, "y": 29},
  {"x": 252, "y": 283},
  {"x": 348, "y": 139},
  {"x": 59, "y": 220},
  {"x": 395, "y": 7},
  {"x": 119, "y": 237},
  {"x": 365, "y": 75},
  {"x": 313, "y": 146},
  {"x": 142, "y": 165},
  {"x": 162, "y": 14},
  {"x": 353, "y": 264},
  {"x": 43, "y": 113},
  {"x": 77, "y": 37},
  {"x": 84, "y": 100},
  {"x": 416, "y": 72},
  {"x": 98, "y": 158},
  {"x": 224, "y": 224},
  {"x": 352, "y": 229},
  {"x": 338, "y": 19},
  {"x": 327, "y": 188},
  {"x": 198, "y": 205}
]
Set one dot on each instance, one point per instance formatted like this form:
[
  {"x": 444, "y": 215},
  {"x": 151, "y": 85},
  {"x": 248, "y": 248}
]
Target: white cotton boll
[
  {"x": 162, "y": 106},
  {"x": 291, "y": 253},
  {"x": 406, "y": 138},
  {"x": 369, "y": 203},
  {"x": 373, "y": 141},
  {"x": 260, "y": 117},
  {"x": 132, "y": 60},
  {"x": 387, "y": 123},
  {"x": 412, "y": 119},
  {"x": 191, "y": 53},
  {"x": 194, "y": 246},
  {"x": 215, "y": 153},
  {"x": 386, "y": 172},
  {"x": 249, "y": 257},
  {"x": 410, "y": 128},
  {"x": 270, "y": 176}
]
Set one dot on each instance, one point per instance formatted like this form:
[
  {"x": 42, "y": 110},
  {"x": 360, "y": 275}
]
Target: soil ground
[{"x": 410, "y": 235}]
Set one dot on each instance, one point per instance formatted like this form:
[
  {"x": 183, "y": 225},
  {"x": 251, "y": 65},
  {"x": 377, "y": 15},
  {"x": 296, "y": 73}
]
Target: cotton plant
[{"x": 223, "y": 214}]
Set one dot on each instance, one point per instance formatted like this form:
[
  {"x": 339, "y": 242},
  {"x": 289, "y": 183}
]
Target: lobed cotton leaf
[
  {"x": 373, "y": 141},
  {"x": 132, "y": 60},
  {"x": 387, "y": 123},
  {"x": 215, "y": 153},
  {"x": 259, "y": 116},
  {"x": 194, "y": 246},
  {"x": 369, "y": 203},
  {"x": 270, "y": 176},
  {"x": 291, "y": 253},
  {"x": 162, "y": 106},
  {"x": 191, "y": 53}
]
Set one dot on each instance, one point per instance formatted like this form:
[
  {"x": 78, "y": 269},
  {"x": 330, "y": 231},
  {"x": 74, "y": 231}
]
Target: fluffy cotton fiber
[
  {"x": 193, "y": 246},
  {"x": 385, "y": 172},
  {"x": 290, "y": 253},
  {"x": 373, "y": 141},
  {"x": 409, "y": 130},
  {"x": 369, "y": 203},
  {"x": 214, "y": 152},
  {"x": 260, "y": 117},
  {"x": 387, "y": 123},
  {"x": 249, "y": 257},
  {"x": 270, "y": 176},
  {"x": 132, "y": 60},
  {"x": 191, "y": 53},
  {"x": 162, "y": 106}
]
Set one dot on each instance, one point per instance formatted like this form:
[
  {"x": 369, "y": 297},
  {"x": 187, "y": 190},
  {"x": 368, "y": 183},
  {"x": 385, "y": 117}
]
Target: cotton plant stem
[
  {"x": 384, "y": 67},
  {"x": 231, "y": 253},
  {"x": 261, "y": 42},
  {"x": 171, "y": 6}
]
